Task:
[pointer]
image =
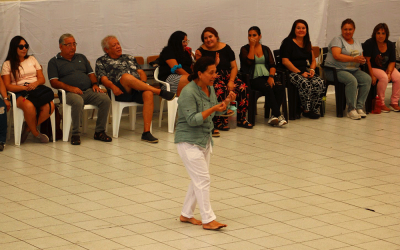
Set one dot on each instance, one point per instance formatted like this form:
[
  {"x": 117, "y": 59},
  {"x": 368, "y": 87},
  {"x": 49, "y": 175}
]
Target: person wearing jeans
[{"x": 346, "y": 54}]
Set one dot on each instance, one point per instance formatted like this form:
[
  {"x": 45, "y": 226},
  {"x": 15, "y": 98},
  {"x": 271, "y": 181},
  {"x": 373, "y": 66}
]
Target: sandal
[
  {"x": 245, "y": 124},
  {"x": 102, "y": 136},
  {"x": 215, "y": 133},
  {"x": 222, "y": 127},
  {"x": 75, "y": 140}
]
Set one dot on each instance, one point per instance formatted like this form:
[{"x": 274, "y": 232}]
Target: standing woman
[
  {"x": 346, "y": 54},
  {"x": 23, "y": 72},
  {"x": 258, "y": 61},
  {"x": 176, "y": 62},
  {"x": 197, "y": 106},
  {"x": 298, "y": 57},
  {"x": 226, "y": 80},
  {"x": 380, "y": 54}
]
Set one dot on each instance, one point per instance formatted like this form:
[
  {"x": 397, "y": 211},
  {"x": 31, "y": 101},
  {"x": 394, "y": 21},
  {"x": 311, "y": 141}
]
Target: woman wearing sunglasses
[{"x": 22, "y": 72}]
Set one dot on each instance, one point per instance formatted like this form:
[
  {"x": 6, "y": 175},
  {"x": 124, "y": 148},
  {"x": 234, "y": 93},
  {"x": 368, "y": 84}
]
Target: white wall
[{"x": 143, "y": 27}]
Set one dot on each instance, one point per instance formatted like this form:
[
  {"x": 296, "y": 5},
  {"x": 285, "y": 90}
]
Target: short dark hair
[
  {"x": 256, "y": 29},
  {"x": 201, "y": 65},
  {"x": 382, "y": 26},
  {"x": 348, "y": 21},
  {"x": 13, "y": 57},
  {"x": 292, "y": 34},
  {"x": 211, "y": 30}
]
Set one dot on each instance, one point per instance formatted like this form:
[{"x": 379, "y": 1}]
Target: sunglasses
[{"x": 21, "y": 47}]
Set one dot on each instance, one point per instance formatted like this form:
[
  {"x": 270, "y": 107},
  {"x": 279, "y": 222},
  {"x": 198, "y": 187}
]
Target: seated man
[
  {"x": 122, "y": 74},
  {"x": 72, "y": 72}
]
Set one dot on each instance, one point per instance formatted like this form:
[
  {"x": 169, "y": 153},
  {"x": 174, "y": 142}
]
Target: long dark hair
[
  {"x": 13, "y": 57},
  {"x": 377, "y": 28},
  {"x": 306, "y": 40},
  {"x": 175, "y": 43},
  {"x": 201, "y": 65}
]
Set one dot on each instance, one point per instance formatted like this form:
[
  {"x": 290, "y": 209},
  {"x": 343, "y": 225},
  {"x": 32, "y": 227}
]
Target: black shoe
[
  {"x": 147, "y": 136},
  {"x": 167, "y": 95},
  {"x": 313, "y": 115},
  {"x": 75, "y": 140},
  {"x": 2, "y": 146}
]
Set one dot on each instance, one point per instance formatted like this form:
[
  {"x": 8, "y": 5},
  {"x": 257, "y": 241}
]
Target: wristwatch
[{"x": 6, "y": 98}]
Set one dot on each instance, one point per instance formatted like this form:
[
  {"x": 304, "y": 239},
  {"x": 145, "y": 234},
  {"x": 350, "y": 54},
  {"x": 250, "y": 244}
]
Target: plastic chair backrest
[
  {"x": 152, "y": 58},
  {"x": 139, "y": 60}
]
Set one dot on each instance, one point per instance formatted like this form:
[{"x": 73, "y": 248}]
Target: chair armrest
[
  {"x": 335, "y": 79},
  {"x": 13, "y": 98},
  {"x": 63, "y": 96}
]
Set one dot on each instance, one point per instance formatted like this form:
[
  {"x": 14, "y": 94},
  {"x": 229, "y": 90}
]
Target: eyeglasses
[
  {"x": 70, "y": 45},
  {"x": 21, "y": 47},
  {"x": 186, "y": 41}
]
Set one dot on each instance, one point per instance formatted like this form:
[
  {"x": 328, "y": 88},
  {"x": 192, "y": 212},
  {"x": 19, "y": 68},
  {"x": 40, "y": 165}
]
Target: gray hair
[
  {"x": 104, "y": 42},
  {"x": 62, "y": 38}
]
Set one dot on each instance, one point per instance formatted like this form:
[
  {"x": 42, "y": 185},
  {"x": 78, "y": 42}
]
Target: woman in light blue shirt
[{"x": 345, "y": 54}]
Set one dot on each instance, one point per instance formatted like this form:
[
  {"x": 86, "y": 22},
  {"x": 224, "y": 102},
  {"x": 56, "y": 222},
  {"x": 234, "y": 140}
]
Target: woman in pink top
[{"x": 23, "y": 72}]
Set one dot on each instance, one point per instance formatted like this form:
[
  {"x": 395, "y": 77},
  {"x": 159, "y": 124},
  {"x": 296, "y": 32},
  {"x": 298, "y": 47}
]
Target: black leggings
[{"x": 273, "y": 96}]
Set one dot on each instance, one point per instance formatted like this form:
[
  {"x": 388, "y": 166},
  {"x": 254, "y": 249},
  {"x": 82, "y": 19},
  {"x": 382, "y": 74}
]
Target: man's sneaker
[
  {"x": 273, "y": 120},
  {"x": 167, "y": 95},
  {"x": 361, "y": 113},
  {"x": 42, "y": 138},
  {"x": 353, "y": 115},
  {"x": 2, "y": 146},
  {"x": 385, "y": 109},
  {"x": 395, "y": 107},
  {"x": 147, "y": 136},
  {"x": 282, "y": 121}
]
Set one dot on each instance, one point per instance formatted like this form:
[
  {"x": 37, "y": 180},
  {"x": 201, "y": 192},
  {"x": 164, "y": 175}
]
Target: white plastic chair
[
  {"x": 117, "y": 108},
  {"x": 18, "y": 116},
  {"x": 172, "y": 105},
  {"x": 67, "y": 119}
]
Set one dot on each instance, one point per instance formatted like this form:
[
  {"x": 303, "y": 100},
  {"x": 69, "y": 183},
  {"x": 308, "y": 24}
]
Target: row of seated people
[
  {"x": 121, "y": 73},
  {"x": 72, "y": 72}
]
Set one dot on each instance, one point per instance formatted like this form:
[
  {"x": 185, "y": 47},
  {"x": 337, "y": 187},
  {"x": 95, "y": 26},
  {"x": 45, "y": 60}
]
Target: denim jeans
[
  {"x": 353, "y": 80},
  {"x": 3, "y": 121}
]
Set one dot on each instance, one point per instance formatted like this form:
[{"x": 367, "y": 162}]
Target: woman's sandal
[
  {"x": 222, "y": 127},
  {"x": 102, "y": 136},
  {"x": 215, "y": 133},
  {"x": 245, "y": 124},
  {"x": 75, "y": 140}
]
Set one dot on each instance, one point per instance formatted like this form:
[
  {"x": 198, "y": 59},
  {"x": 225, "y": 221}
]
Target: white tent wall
[{"x": 143, "y": 27}]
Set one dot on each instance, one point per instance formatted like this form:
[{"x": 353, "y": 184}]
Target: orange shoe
[
  {"x": 395, "y": 107},
  {"x": 385, "y": 109}
]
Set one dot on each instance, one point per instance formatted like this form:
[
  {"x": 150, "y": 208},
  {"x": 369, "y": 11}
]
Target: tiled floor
[{"x": 331, "y": 183}]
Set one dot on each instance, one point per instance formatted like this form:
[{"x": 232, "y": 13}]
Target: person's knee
[
  {"x": 147, "y": 97},
  {"x": 75, "y": 100}
]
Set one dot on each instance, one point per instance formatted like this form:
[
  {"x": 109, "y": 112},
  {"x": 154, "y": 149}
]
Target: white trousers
[{"x": 197, "y": 161}]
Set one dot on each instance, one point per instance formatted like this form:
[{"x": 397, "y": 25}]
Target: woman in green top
[
  {"x": 197, "y": 106},
  {"x": 257, "y": 61}
]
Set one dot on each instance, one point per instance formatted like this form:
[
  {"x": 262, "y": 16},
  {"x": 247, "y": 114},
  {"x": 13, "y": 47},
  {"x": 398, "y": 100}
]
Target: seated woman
[
  {"x": 176, "y": 62},
  {"x": 4, "y": 107},
  {"x": 23, "y": 72},
  {"x": 197, "y": 106},
  {"x": 380, "y": 54},
  {"x": 258, "y": 61},
  {"x": 346, "y": 54},
  {"x": 226, "y": 80},
  {"x": 298, "y": 57}
]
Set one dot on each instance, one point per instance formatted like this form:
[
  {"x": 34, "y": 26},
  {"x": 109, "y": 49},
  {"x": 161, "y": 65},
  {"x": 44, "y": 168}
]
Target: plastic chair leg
[
  {"x": 161, "y": 112},
  {"x": 66, "y": 122},
  {"x": 116, "y": 118},
  {"x": 53, "y": 125},
  {"x": 132, "y": 117},
  {"x": 172, "y": 107}
]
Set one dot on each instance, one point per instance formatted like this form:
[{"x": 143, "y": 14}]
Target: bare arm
[
  {"x": 172, "y": 62},
  {"x": 289, "y": 65},
  {"x": 337, "y": 54},
  {"x": 12, "y": 87},
  {"x": 55, "y": 83},
  {"x": 142, "y": 75}
]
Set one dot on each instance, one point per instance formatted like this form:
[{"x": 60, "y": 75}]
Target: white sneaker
[
  {"x": 273, "y": 121},
  {"x": 353, "y": 115},
  {"x": 361, "y": 113},
  {"x": 282, "y": 121}
]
